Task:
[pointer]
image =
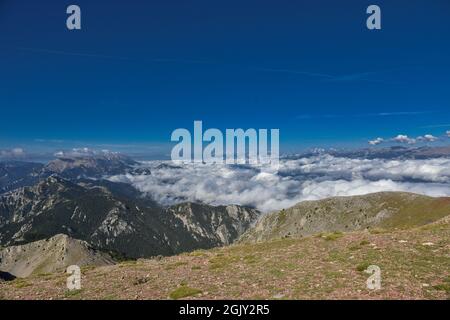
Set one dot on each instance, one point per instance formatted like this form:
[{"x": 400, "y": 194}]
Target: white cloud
[
  {"x": 301, "y": 179},
  {"x": 376, "y": 141},
  {"x": 404, "y": 139},
  {"x": 448, "y": 133},
  {"x": 427, "y": 138}
]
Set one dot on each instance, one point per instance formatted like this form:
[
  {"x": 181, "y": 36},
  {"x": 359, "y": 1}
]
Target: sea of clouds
[{"x": 308, "y": 178}]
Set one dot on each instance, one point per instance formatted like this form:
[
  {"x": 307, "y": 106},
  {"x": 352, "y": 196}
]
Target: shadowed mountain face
[
  {"x": 389, "y": 210},
  {"x": 110, "y": 219}
]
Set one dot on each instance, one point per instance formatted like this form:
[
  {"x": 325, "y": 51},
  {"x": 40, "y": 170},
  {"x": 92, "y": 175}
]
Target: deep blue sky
[{"x": 140, "y": 69}]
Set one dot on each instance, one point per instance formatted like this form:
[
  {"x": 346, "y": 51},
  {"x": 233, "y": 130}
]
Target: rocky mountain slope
[
  {"x": 110, "y": 219},
  {"x": 384, "y": 210},
  {"x": 414, "y": 264},
  {"x": 50, "y": 255}
]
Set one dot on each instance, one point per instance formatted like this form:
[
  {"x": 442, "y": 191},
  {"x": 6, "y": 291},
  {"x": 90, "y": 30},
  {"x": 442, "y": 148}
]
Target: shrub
[
  {"x": 184, "y": 291},
  {"x": 362, "y": 266},
  {"x": 332, "y": 236}
]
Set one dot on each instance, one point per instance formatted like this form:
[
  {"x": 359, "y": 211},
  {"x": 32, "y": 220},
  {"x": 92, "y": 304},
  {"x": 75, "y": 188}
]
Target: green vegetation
[
  {"x": 445, "y": 286},
  {"x": 221, "y": 261},
  {"x": 72, "y": 293},
  {"x": 354, "y": 247},
  {"x": 20, "y": 283},
  {"x": 421, "y": 211},
  {"x": 250, "y": 259},
  {"x": 87, "y": 268},
  {"x": 282, "y": 215},
  {"x": 362, "y": 266},
  {"x": 128, "y": 263},
  {"x": 175, "y": 265},
  {"x": 184, "y": 291},
  {"x": 277, "y": 273},
  {"x": 198, "y": 253},
  {"x": 378, "y": 231},
  {"x": 332, "y": 236}
]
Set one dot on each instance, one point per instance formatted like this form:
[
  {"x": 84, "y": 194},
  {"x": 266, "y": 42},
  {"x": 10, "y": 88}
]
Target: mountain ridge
[
  {"x": 108, "y": 220},
  {"x": 350, "y": 213}
]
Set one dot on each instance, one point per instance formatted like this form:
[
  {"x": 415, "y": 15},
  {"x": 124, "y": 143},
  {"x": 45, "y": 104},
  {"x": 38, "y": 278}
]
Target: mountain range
[
  {"x": 413, "y": 259},
  {"x": 129, "y": 227},
  {"x": 66, "y": 212}
]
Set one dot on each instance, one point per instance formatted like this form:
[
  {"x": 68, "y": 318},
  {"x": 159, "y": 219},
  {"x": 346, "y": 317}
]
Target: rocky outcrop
[{"x": 50, "y": 255}]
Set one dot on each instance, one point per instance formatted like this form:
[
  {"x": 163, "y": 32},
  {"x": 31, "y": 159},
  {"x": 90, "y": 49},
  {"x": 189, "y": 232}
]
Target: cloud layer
[{"x": 300, "y": 179}]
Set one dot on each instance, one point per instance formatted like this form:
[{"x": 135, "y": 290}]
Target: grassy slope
[
  {"x": 321, "y": 266},
  {"x": 389, "y": 210}
]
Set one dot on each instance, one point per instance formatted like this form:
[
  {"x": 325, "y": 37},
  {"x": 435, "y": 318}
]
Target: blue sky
[{"x": 138, "y": 70}]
